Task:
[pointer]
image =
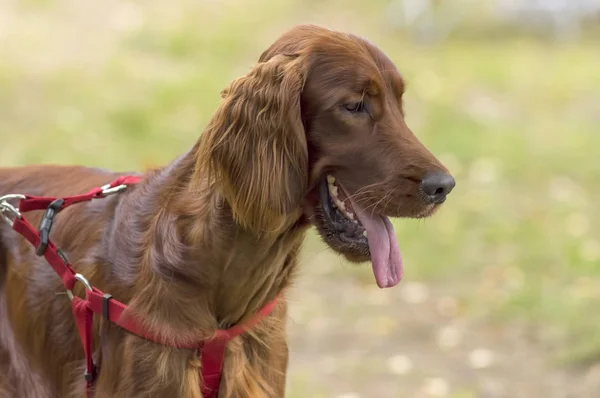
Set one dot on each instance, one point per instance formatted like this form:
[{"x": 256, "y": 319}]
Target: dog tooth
[
  {"x": 355, "y": 222},
  {"x": 351, "y": 216},
  {"x": 334, "y": 190},
  {"x": 365, "y": 234},
  {"x": 330, "y": 179},
  {"x": 342, "y": 205}
]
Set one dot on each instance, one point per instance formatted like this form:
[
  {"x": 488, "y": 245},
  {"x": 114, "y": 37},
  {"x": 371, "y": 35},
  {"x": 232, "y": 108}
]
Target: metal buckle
[
  {"x": 108, "y": 190},
  {"x": 81, "y": 279},
  {"x": 7, "y": 207}
]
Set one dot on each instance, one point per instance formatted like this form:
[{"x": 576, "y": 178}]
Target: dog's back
[{"x": 27, "y": 281}]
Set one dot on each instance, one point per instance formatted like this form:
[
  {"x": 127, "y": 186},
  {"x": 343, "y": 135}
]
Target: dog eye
[{"x": 355, "y": 107}]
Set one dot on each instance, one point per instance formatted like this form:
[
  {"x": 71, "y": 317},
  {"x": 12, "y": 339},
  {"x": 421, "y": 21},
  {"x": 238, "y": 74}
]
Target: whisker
[
  {"x": 367, "y": 189},
  {"x": 391, "y": 196},
  {"x": 374, "y": 205},
  {"x": 400, "y": 204},
  {"x": 370, "y": 186}
]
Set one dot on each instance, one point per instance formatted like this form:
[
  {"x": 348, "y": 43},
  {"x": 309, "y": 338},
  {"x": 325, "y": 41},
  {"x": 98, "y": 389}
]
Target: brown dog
[{"x": 314, "y": 134}]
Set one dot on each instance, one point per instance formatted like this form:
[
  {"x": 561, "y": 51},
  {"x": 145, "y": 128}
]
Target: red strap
[
  {"x": 42, "y": 202},
  {"x": 23, "y": 227},
  {"x": 236, "y": 330},
  {"x": 84, "y": 319},
  {"x": 212, "y": 355},
  {"x": 115, "y": 310},
  {"x": 213, "y": 351}
]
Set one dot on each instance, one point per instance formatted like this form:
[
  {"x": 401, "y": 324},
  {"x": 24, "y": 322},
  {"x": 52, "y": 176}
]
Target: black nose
[{"x": 436, "y": 186}]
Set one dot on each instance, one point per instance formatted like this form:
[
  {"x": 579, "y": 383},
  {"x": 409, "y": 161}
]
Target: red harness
[{"x": 211, "y": 351}]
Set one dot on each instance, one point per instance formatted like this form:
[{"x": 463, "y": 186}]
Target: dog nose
[{"x": 436, "y": 186}]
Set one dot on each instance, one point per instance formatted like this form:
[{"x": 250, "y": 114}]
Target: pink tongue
[{"x": 385, "y": 253}]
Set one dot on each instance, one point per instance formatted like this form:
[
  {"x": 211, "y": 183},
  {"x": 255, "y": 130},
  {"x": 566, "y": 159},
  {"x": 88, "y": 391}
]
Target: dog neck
[{"x": 194, "y": 268}]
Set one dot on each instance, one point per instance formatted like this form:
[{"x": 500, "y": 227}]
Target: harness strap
[
  {"x": 42, "y": 202},
  {"x": 114, "y": 311},
  {"x": 57, "y": 261},
  {"x": 84, "y": 319},
  {"x": 211, "y": 351}
]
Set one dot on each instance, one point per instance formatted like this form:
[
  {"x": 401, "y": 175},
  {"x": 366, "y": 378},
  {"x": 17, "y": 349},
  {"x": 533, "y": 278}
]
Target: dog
[{"x": 313, "y": 134}]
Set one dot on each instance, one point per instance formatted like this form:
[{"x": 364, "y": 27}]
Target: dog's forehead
[
  {"x": 346, "y": 59},
  {"x": 383, "y": 62},
  {"x": 357, "y": 68},
  {"x": 385, "y": 65}
]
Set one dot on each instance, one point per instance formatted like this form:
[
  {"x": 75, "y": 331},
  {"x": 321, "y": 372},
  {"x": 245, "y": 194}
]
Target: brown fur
[{"x": 204, "y": 242}]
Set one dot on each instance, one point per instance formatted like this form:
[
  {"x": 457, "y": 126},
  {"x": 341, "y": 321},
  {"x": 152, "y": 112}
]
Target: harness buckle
[
  {"x": 7, "y": 207},
  {"x": 79, "y": 278},
  {"x": 90, "y": 375},
  {"x": 105, "y": 299},
  {"x": 46, "y": 225},
  {"x": 108, "y": 190}
]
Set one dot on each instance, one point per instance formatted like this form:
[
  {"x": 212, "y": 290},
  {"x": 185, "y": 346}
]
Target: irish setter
[{"x": 314, "y": 134}]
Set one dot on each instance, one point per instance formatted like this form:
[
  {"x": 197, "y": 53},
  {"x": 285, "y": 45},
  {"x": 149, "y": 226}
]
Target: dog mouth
[
  {"x": 360, "y": 233},
  {"x": 340, "y": 213}
]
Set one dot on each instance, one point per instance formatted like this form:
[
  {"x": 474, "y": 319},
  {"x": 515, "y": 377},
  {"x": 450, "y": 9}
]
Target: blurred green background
[{"x": 502, "y": 287}]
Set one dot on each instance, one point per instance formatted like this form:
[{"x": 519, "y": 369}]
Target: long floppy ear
[{"x": 255, "y": 144}]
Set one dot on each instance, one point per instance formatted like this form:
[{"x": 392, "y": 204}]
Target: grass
[{"x": 515, "y": 119}]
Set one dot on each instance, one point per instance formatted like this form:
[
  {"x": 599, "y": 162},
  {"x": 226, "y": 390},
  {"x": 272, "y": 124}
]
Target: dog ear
[{"x": 256, "y": 147}]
